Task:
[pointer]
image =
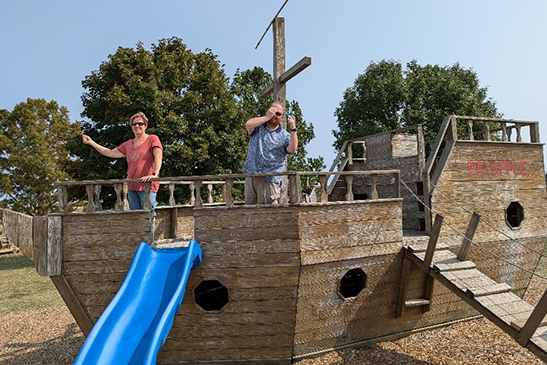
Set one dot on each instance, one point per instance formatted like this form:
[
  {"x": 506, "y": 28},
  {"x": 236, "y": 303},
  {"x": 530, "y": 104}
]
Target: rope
[{"x": 471, "y": 241}]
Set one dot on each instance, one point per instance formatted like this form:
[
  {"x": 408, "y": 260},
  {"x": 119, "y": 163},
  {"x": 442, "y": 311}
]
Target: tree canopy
[
  {"x": 387, "y": 97},
  {"x": 34, "y": 154}
]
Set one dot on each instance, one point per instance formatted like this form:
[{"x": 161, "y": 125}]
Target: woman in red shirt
[{"x": 144, "y": 155}]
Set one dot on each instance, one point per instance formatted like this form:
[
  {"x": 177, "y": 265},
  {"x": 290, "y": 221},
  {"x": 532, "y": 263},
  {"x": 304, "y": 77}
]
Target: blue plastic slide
[{"x": 134, "y": 326}]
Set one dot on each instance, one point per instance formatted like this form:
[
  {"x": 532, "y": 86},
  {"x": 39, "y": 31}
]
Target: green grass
[{"x": 22, "y": 288}]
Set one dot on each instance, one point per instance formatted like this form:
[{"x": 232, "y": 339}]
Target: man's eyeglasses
[
  {"x": 278, "y": 114},
  {"x": 140, "y": 124}
]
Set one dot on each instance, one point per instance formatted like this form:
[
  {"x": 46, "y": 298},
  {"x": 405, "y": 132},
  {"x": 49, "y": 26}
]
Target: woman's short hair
[{"x": 139, "y": 115}]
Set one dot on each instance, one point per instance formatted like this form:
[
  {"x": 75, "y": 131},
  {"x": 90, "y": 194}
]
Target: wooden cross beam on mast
[{"x": 280, "y": 76}]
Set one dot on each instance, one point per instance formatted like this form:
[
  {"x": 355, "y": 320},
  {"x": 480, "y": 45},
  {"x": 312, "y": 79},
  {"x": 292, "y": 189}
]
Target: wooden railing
[{"x": 196, "y": 184}]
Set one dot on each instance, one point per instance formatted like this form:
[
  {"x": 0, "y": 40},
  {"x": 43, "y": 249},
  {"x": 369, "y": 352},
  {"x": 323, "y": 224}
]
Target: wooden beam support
[
  {"x": 533, "y": 321},
  {"x": 403, "y": 283},
  {"x": 72, "y": 303},
  {"x": 471, "y": 229},
  {"x": 289, "y": 74},
  {"x": 433, "y": 238}
]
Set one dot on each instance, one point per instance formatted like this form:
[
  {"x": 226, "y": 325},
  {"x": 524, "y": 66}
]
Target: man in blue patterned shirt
[{"x": 267, "y": 152}]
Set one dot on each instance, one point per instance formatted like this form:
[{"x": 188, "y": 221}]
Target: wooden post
[
  {"x": 349, "y": 153},
  {"x": 197, "y": 184},
  {"x": 373, "y": 179},
  {"x": 174, "y": 222},
  {"x": 279, "y": 89},
  {"x": 534, "y": 133},
  {"x": 228, "y": 193},
  {"x": 71, "y": 301},
  {"x": 433, "y": 238},
  {"x": 62, "y": 198},
  {"x": 403, "y": 283},
  {"x": 471, "y": 229},
  {"x": 503, "y": 132},
  {"x": 470, "y": 135},
  {"x": 295, "y": 190},
  {"x": 349, "y": 187},
  {"x": 323, "y": 183},
  {"x": 97, "y": 197},
  {"x": 192, "y": 188},
  {"x": 48, "y": 245},
  {"x": 397, "y": 185},
  {"x": 90, "y": 190},
  {"x": 260, "y": 199},
  {"x": 147, "y": 203},
  {"x": 124, "y": 197},
  {"x": 172, "y": 200},
  {"x": 210, "y": 193},
  {"x": 487, "y": 131},
  {"x": 533, "y": 321},
  {"x": 119, "y": 202}
]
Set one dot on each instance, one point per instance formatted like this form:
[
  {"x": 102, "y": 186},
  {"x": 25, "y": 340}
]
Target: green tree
[
  {"x": 186, "y": 99},
  {"x": 34, "y": 139},
  {"x": 386, "y": 97}
]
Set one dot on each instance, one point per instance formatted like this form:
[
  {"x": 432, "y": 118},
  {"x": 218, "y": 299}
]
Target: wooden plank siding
[
  {"x": 97, "y": 251},
  {"x": 18, "y": 230},
  {"x": 336, "y": 238},
  {"x": 462, "y": 189},
  {"x": 254, "y": 253}
]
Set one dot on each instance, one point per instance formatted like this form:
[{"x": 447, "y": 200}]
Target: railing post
[
  {"x": 323, "y": 183},
  {"x": 62, "y": 198},
  {"x": 209, "y": 193},
  {"x": 90, "y": 190},
  {"x": 147, "y": 203},
  {"x": 119, "y": 202},
  {"x": 519, "y": 137},
  {"x": 349, "y": 187},
  {"x": 471, "y": 229},
  {"x": 470, "y": 135},
  {"x": 373, "y": 179},
  {"x": 433, "y": 238},
  {"x": 197, "y": 184},
  {"x": 397, "y": 185},
  {"x": 534, "y": 133},
  {"x": 192, "y": 188},
  {"x": 487, "y": 131},
  {"x": 172, "y": 200},
  {"x": 260, "y": 199},
  {"x": 503, "y": 132},
  {"x": 228, "y": 197},
  {"x": 295, "y": 190},
  {"x": 349, "y": 153}
]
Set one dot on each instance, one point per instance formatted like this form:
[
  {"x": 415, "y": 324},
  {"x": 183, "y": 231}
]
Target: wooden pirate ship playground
[{"x": 397, "y": 237}]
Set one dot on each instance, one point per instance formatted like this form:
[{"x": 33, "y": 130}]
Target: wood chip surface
[{"x": 50, "y": 336}]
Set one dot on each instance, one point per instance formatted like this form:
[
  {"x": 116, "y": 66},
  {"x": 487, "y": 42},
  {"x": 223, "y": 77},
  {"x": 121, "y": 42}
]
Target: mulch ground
[{"x": 50, "y": 336}]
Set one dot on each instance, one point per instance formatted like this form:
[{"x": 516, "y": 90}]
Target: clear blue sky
[{"x": 48, "y": 47}]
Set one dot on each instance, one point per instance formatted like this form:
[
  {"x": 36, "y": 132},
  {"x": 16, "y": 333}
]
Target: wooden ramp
[{"x": 526, "y": 324}]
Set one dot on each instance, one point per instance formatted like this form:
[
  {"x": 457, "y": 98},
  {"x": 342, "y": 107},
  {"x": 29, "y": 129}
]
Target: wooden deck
[{"x": 493, "y": 300}]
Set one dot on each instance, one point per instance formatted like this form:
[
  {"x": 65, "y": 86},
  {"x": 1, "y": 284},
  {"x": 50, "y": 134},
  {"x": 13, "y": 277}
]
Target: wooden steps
[{"x": 493, "y": 300}]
